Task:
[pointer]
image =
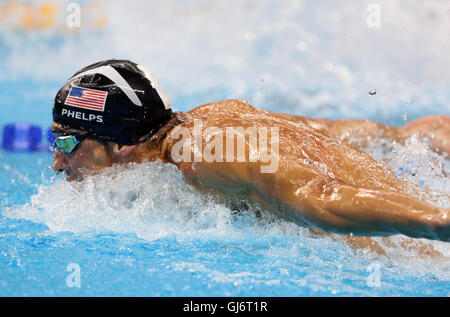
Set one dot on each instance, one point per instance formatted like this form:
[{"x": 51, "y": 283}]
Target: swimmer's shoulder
[{"x": 229, "y": 108}]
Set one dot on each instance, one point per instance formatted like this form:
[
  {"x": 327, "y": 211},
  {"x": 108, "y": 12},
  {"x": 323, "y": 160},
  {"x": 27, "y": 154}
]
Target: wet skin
[
  {"x": 322, "y": 182},
  {"x": 90, "y": 156}
]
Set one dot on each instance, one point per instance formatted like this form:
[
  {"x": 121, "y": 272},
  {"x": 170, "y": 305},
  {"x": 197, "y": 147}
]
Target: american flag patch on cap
[{"x": 90, "y": 99}]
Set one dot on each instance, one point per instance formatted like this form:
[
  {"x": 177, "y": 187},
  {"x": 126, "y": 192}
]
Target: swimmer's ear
[{"x": 122, "y": 151}]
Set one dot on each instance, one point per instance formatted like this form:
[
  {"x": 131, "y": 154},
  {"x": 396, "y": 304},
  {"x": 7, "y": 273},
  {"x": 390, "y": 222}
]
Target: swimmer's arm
[
  {"x": 333, "y": 206},
  {"x": 436, "y": 128},
  {"x": 422, "y": 249},
  {"x": 360, "y": 132},
  {"x": 351, "y": 131},
  {"x": 309, "y": 198},
  {"x": 355, "y": 130}
]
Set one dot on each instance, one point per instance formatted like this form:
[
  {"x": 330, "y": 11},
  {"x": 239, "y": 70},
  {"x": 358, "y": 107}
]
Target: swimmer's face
[{"x": 89, "y": 157}]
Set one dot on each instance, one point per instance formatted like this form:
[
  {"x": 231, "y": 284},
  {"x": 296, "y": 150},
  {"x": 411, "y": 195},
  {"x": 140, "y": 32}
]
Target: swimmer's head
[
  {"x": 113, "y": 100},
  {"x": 108, "y": 108}
]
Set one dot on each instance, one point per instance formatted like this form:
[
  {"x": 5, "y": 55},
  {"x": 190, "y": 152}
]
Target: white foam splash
[
  {"x": 150, "y": 200},
  {"x": 414, "y": 162}
]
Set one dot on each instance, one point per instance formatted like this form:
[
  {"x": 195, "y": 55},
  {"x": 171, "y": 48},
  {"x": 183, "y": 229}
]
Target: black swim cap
[{"x": 113, "y": 100}]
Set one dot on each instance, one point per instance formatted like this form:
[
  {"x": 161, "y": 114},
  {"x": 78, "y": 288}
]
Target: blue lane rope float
[
  {"x": 50, "y": 139},
  {"x": 26, "y": 137}
]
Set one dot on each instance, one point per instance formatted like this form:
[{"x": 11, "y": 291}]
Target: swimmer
[{"x": 115, "y": 112}]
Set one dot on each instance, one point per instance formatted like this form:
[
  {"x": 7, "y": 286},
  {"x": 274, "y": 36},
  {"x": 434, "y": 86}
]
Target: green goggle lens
[{"x": 67, "y": 143}]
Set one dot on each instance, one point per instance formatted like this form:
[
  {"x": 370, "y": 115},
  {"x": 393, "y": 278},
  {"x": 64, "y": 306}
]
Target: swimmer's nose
[{"x": 60, "y": 163}]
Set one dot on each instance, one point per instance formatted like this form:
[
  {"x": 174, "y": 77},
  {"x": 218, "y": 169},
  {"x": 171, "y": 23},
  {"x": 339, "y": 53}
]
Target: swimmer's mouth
[
  {"x": 69, "y": 175},
  {"x": 74, "y": 175}
]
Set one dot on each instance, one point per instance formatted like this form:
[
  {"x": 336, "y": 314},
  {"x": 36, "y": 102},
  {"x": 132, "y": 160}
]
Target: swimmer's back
[{"x": 298, "y": 142}]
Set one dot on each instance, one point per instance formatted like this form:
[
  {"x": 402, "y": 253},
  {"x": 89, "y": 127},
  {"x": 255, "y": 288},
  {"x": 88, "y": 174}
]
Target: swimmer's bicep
[
  {"x": 329, "y": 204},
  {"x": 230, "y": 178},
  {"x": 310, "y": 197},
  {"x": 293, "y": 189}
]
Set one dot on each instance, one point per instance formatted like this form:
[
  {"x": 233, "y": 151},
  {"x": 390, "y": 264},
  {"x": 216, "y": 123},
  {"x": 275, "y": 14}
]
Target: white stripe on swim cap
[
  {"x": 156, "y": 85},
  {"x": 113, "y": 75}
]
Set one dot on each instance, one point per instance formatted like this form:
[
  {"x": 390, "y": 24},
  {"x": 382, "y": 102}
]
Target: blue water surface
[{"x": 247, "y": 258}]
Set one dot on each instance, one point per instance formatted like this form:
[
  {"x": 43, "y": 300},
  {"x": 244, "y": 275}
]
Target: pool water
[{"x": 139, "y": 230}]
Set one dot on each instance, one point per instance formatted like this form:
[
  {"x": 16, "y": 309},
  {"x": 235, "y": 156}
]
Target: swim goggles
[{"x": 68, "y": 143}]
